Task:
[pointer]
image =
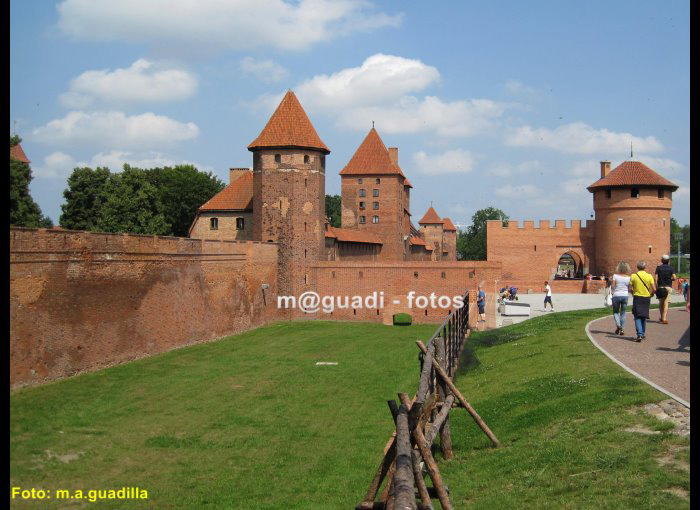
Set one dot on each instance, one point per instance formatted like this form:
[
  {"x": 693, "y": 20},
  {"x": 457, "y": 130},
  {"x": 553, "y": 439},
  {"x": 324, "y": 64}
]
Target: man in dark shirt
[{"x": 664, "y": 279}]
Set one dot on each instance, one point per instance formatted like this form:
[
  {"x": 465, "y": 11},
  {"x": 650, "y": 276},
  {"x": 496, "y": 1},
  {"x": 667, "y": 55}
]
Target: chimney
[
  {"x": 604, "y": 168},
  {"x": 394, "y": 155},
  {"x": 235, "y": 173}
]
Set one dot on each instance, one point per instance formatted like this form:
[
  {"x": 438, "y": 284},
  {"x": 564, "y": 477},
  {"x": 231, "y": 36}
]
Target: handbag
[{"x": 608, "y": 298}]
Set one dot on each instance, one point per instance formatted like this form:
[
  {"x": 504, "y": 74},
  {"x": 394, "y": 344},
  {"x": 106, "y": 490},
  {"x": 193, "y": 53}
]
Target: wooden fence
[{"x": 409, "y": 454}]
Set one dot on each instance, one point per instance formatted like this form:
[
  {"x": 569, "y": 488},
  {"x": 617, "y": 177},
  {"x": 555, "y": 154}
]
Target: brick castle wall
[
  {"x": 80, "y": 301},
  {"x": 530, "y": 253},
  {"x": 396, "y": 279}
]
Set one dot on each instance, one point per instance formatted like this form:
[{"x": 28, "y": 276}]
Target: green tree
[
  {"x": 132, "y": 205},
  {"x": 471, "y": 245},
  {"x": 333, "y": 209},
  {"x": 181, "y": 190},
  {"x": 24, "y": 211},
  {"x": 84, "y": 196},
  {"x": 685, "y": 243}
]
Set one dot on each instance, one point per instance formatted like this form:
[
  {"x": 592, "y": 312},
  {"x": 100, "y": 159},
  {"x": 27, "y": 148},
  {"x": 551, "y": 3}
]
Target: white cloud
[
  {"x": 522, "y": 191},
  {"x": 381, "y": 90},
  {"x": 661, "y": 166},
  {"x": 449, "y": 162},
  {"x": 220, "y": 24},
  {"x": 580, "y": 138},
  {"x": 267, "y": 71},
  {"x": 59, "y": 165},
  {"x": 379, "y": 79},
  {"x": 142, "y": 81},
  {"x": 105, "y": 130}
]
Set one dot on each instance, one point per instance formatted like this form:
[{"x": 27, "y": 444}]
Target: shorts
[
  {"x": 482, "y": 309},
  {"x": 548, "y": 299}
]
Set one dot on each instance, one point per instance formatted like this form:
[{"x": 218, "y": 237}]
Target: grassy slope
[{"x": 251, "y": 422}]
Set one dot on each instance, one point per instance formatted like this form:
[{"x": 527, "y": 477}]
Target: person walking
[
  {"x": 620, "y": 285},
  {"x": 642, "y": 284},
  {"x": 664, "y": 284},
  {"x": 547, "y": 296},
  {"x": 481, "y": 303}
]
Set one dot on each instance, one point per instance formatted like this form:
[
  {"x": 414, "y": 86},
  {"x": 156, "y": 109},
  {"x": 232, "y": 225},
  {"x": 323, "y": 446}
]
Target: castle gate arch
[{"x": 569, "y": 264}]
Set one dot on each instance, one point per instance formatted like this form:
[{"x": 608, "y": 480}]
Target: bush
[{"x": 402, "y": 319}]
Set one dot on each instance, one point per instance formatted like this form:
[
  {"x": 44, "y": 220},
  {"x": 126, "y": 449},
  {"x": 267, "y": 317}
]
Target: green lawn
[{"x": 250, "y": 422}]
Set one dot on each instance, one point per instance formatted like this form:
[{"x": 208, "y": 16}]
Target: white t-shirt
[
  {"x": 620, "y": 285},
  {"x": 549, "y": 290}
]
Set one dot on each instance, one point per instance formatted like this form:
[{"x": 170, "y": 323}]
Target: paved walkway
[{"x": 662, "y": 359}]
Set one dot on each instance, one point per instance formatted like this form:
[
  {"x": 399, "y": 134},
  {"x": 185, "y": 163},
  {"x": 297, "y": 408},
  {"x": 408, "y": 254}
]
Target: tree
[
  {"x": 181, "y": 190},
  {"x": 685, "y": 243},
  {"x": 24, "y": 211},
  {"x": 471, "y": 245},
  {"x": 132, "y": 205},
  {"x": 85, "y": 194},
  {"x": 333, "y": 209}
]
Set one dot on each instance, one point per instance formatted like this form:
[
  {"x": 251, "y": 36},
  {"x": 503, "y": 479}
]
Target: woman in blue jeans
[{"x": 619, "y": 286}]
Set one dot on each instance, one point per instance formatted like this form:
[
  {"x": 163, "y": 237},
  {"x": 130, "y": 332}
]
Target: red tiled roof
[
  {"x": 632, "y": 173},
  {"x": 407, "y": 211},
  {"x": 416, "y": 241},
  {"x": 448, "y": 225},
  {"x": 17, "y": 153},
  {"x": 430, "y": 217},
  {"x": 237, "y": 196},
  {"x": 407, "y": 183},
  {"x": 371, "y": 158},
  {"x": 289, "y": 126},
  {"x": 348, "y": 235}
]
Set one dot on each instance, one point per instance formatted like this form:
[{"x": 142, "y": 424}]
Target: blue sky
[{"x": 504, "y": 104}]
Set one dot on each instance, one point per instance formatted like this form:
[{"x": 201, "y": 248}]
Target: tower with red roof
[
  {"x": 289, "y": 164},
  {"x": 632, "y": 205}
]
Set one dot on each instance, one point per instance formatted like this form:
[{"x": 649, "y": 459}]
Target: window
[
  {"x": 278, "y": 158},
  {"x": 415, "y": 274},
  {"x": 240, "y": 223},
  {"x": 619, "y": 221},
  {"x": 304, "y": 226},
  {"x": 375, "y": 192},
  {"x": 375, "y": 219},
  {"x": 362, "y": 205},
  {"x": 649, "y": 248},
  {"x": 635, "y": 193},
  {"x": 362, "y": 192},
  {"x": 306, "y": 183},
  {"x": 375, "y": 205},
  {"x": 306, "y": 158},
  {"x": 362, "y": 219},
  {"x": 359, "y": 181},
  {"x": 323, "y": 161},
  {"x": 608, "y": 193},
  {"x": 214, "y": 223},
  {"x": 661, "y": 193},
  {"x": 442, "y": 275},
  {"x": 361, "y": 274},
  {"x": 378, "y": 180}
]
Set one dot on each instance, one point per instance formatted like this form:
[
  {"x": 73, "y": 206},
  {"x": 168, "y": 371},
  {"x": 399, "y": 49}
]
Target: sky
[{"x": 508, "y": 104}]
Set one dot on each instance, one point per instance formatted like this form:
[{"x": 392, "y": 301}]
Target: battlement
[{"x": 567, "y": 226}]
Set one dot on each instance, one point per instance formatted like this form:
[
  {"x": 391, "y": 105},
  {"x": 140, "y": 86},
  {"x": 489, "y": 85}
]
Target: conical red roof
[
  {"x": 448, "y": 225},
  {"x": 17, "y": 153},
  {"x": 632, "y": 173},
  {"x": 371, "y": 158},
  {"x": 430, "y": 217},
  {"x": 289, "y": 126}
]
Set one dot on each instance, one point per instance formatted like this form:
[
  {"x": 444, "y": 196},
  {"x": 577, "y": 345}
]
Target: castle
[
  {"x": 632, "y": 206},
  {"x": 283, "y": 200}
]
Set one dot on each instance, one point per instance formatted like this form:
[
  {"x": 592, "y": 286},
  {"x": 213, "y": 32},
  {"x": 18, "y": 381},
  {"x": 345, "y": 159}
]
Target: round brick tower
[
  {"x": 289, "y": 192},
  {"x": 632, "y": 207}
]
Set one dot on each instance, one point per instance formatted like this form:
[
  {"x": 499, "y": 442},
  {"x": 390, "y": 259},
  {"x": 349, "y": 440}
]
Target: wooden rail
[{"x": 408, "y": 455}]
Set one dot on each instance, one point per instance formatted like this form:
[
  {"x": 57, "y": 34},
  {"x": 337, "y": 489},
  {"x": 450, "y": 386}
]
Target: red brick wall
[
  {"x": 391, "y": 226},
  {"x": 530, "y": 254},
  {"x": 227, "y": 226},
  {"x": 396, "y": 279},
  {"x": 80, "y": 301}
]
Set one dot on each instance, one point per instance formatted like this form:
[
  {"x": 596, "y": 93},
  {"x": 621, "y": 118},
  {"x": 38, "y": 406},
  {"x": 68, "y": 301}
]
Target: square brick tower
[
  {"x": 432, "y": 229},
  {"x": 289, "y": 190},
  {"x": 375, "y": 196}
]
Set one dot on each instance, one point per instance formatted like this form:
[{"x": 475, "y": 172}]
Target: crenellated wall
[
  {"x": 80, "y": 301},
  {"x": 530, "y": 253}
]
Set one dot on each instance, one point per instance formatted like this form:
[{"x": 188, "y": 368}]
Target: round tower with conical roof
[
  {"x": 632, "y": 205},
  {"x": 289, "y": 192}
]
